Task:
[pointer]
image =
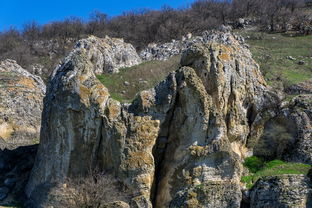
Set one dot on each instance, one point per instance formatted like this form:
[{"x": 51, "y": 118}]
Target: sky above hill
[{"x": 18, "y": 12}]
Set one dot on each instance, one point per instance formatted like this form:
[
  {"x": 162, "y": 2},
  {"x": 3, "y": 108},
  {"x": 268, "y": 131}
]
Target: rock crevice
[{"x": 179, "y": 144}]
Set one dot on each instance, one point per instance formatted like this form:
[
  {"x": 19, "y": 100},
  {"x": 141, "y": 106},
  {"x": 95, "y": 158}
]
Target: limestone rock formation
[
  {"x": 287, "y": 134},
  {"x": 19, "y": 125},
  {"x": 166, "y": 50},
  {"x": 162, "y": 51},
  {"x": 293, "y": 191},
  {"x": 299, "y": 113},
  {"x": 179, "y": 144},
  {"x": 107, "y": 54}
]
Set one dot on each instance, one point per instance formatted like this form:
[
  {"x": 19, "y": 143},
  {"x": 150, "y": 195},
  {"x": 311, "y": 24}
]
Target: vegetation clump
[
  {"x": 259, "y": 168},
  {"x": 95, "y": 190},
  {"x": 131, "y": 80}
]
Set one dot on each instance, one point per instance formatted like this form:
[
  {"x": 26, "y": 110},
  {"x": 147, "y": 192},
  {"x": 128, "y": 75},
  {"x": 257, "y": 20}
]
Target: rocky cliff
[
  {"x": 108, "y": 55},
  {"x": 19, "y": 125},
  {"x": 180, "y": 144}
]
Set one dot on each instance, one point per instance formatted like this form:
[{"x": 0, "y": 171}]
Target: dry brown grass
[{"x": 95, "y": 190}]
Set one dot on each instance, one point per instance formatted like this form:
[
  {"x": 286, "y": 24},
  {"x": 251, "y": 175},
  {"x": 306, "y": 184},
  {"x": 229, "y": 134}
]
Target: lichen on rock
[
  {"x": 19, "y": 125},
  {"x": 282, "y": 191},
  {"x": 180, "y": 144},
  {"x": 107, "y": 54}
]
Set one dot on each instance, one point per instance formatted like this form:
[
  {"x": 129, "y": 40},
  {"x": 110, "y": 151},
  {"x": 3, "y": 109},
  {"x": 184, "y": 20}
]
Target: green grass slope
[
  {"x": 124, "y": 85},
  {"x": 258, "y": 168},
  {"x": 271, "y": 52}
]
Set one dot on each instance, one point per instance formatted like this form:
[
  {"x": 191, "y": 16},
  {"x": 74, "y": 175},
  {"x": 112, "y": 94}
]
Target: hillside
[
  {"x": 284, "y": 60},
  {"x": 206, "y": 106},
  {"x": 181, "y": 143}
]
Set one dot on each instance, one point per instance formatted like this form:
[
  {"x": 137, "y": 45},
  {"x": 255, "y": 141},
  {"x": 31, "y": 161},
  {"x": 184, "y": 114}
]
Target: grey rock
[
  {"x": 126, "y": 83},
  {"x": 107, "y": 54},
  {"x": 167, "y": 50},
  {"x": 290, "y": 58},
  {"x": 293, "y": 191},
  {"x": 19, "y": 125},
  {"x": 301, "y": 62},
  {"x": 286, "y": 134}
]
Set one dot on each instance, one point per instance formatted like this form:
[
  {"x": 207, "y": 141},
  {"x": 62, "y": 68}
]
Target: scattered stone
[
  {"x": 143, "y": 82},
  {"x": 290, "y": 58},
  {"x": 189, "y": 36},
  {"x": 224, "y": 28},
  {"x": 301, "y": 62},
  {"x": 126, "y": 83}
]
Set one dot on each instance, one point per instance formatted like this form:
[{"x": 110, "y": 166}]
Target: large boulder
[
  {"x": 107, "y": 54},
  {"x": 179, "y": 144},
  {"x": 299, "y": 113},
  {"x": 293, "y": 191},
  {"x": 287, "y": 134},
  {"x": 21, "y": 95}
]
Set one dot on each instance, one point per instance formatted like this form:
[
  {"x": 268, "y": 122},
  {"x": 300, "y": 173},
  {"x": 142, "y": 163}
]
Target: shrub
[
  {"x": 95, "y": 190},
  {"x": 253, "y": 163}
]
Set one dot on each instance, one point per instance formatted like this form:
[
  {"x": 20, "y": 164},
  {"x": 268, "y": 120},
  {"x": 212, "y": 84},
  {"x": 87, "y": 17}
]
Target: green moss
[{"x": 271, "y": 168}]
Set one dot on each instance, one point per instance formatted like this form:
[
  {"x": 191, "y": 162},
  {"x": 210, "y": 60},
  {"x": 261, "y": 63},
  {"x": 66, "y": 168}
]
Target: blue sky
[{"x": 17, "y": 12}]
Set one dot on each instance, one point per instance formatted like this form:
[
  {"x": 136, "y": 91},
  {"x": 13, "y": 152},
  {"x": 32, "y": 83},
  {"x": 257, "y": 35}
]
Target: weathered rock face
[
  {"x": 299, "y": 112},
  {"x": 19, "y": 125},
  {"x": 108, "y": 55},
  {"x": 287, "y": 134},
  {"x": 177, "y": 145},
  {"x": 166, "y": 50},
  {"x": 292, "y": 191},
  {"x": 162, "y": 51}
]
